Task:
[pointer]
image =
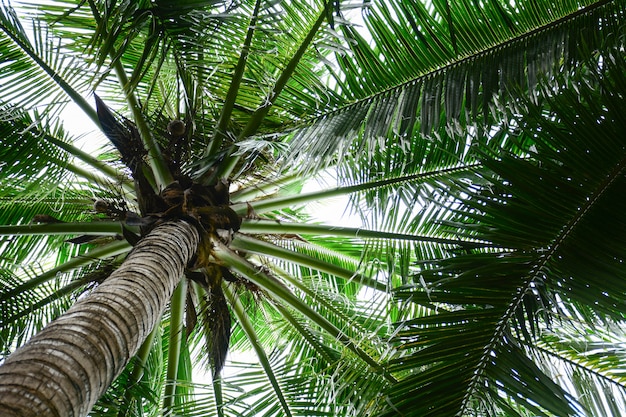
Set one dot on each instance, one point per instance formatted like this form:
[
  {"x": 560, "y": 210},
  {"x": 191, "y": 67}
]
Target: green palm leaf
[
  {"x": 481, "y": 146},
  {"x": 446, "y": 87},
  {"x": 538, "y": 208}
]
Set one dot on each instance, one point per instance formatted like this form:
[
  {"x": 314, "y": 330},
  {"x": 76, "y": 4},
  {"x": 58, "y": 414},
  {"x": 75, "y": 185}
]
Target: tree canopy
[{"x": 480, "y": 144}]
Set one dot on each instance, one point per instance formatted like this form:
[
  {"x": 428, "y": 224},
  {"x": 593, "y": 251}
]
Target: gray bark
[{"x": 66, "y": 367}]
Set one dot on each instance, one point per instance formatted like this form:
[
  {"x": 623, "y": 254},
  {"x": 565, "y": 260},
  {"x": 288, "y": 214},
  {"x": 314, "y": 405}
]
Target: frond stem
[
  {"x": 259, "y": 226},
  {"x": 138, "y": 369},
  {"x": 231, "y": 96},
  {"x": 253, "y": 338},
  {"x": 112, "y": 249},
  {"x": 175, "y": 343},
  {"x": 277, "y": 203},
  {"x": 259, "y": 114},
  {"x": 277, "y": 289},
  {"x": 83, "y": 228},
  {"x": 536, "y": 271},
  {"x": 159, "y": 167},
  {"x": 261, "y": 247},
  {"x": 64, "y": 85}
]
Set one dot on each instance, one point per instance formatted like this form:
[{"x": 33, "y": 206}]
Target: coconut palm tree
[{"x": 480, "y": 145}]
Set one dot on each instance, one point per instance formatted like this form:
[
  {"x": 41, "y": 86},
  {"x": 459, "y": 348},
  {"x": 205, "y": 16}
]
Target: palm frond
[
  {"x": 588, "y": 363},
  {"x": 480, "y": 142},
  {"x": 547, "y": 212},
  {"x": 54, "y": 75},
  {"x": 445, "y": 88},
  {"x": 33, "y": 294}
]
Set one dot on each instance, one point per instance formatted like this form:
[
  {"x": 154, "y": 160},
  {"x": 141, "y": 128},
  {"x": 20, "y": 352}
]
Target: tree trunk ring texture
[{"x": 67, "y": 366}]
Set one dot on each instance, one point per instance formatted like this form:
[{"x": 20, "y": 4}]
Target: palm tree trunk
[{"x": 65, "y": 368}]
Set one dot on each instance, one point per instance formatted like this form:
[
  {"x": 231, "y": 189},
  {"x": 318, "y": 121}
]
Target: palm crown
[{"x": 481, "y": 144}]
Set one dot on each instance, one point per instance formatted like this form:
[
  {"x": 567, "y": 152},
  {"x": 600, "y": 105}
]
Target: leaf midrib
[
  {"x": 565, "y": 232},
  {"x": 441, "y": 69}
]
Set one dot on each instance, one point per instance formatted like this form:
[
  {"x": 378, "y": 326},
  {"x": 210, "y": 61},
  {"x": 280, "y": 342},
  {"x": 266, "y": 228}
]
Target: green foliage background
[{"x": 481, "y": 144}]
